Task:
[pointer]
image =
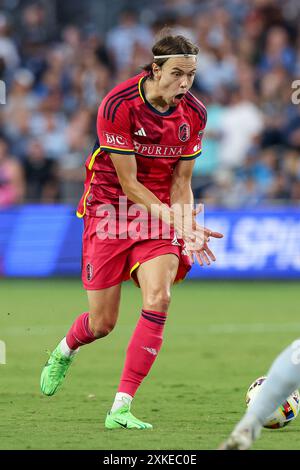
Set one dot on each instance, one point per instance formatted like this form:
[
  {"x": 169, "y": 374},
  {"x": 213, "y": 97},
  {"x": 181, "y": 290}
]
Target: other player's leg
[
  {"x": 282, "y": 379},
  {"x": 89, "y": 326},
  {"x": 155, "y": 278}
]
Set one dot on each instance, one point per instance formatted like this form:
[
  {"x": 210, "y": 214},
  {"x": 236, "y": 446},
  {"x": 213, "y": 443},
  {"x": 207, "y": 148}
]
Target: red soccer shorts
[{"x": 106, "y": 263}]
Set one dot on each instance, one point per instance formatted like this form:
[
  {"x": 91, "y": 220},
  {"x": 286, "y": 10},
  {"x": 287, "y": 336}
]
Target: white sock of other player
[
  {"x": 283, "y": 378},
  {"x": 120, "y": 400},
  {"x": 66, "y": 351},
  {"x": 249, "y": 425}
]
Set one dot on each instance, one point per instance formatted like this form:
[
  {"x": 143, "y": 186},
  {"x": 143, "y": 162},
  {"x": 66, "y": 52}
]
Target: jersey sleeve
[
  {"x": 113, "y": 127},
  {"x": 193, "y": 148}
]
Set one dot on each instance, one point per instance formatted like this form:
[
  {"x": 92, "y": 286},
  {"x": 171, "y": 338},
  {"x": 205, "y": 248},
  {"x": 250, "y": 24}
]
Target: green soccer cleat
[
  {"x": 122, "y": 418},
  {"x": 54, "y": 371}
]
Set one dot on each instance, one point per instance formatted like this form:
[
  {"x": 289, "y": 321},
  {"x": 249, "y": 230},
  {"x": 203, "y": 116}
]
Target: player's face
[{"x": 176, "y": 77}]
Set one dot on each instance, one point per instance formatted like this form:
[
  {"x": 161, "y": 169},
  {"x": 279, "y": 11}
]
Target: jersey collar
[{"x": 143, "y": 97}]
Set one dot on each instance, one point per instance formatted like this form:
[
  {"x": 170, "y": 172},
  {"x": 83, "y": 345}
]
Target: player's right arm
[{"x": 126, "y": 169}]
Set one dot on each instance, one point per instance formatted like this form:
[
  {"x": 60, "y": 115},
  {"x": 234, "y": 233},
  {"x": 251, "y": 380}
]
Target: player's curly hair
[{"x": 169, "y": 43}]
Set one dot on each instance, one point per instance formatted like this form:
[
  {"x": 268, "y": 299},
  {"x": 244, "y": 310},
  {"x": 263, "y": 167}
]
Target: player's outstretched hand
[
  {"x": 199, "y": 248},
  {"x": 196, "y": 237}
]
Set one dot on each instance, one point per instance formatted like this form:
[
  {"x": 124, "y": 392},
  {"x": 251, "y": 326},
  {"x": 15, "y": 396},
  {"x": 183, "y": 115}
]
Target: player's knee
[
  {"x": 158, "y": 300},
  {"x": 101, "y": 328}
]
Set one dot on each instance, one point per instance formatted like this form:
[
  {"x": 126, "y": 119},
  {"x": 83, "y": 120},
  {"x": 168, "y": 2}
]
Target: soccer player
[
  {"x": 149, "y": 133},
  {"x": 282, "y": 379}
]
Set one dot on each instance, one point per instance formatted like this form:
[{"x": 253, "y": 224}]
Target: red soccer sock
[
  {"x": 80, "y": 333},
  {"x": 142, "y": 350}
]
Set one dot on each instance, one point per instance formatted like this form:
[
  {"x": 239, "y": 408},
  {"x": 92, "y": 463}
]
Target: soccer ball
[{"x": 284, "y": 414}]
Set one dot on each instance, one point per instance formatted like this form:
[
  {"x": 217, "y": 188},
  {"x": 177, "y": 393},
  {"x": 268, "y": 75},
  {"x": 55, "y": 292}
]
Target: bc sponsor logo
[
  {"x": 89, "y": 271},
  {"x": 184, "y": 132},
  {"x": 114, "y": 139}
]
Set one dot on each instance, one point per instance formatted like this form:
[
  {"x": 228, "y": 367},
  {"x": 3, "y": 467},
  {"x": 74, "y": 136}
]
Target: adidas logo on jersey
[
  {"x": 140, "y": 132},
  {"x": 175, "y": 241}
]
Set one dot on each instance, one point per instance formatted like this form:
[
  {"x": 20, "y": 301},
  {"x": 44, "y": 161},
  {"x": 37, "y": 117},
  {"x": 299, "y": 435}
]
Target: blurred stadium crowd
[{"x": 56, "y": 73}]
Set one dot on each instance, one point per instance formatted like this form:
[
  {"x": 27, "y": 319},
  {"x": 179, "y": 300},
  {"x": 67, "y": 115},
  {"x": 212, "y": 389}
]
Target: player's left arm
[
  {"x": 182, "y": 201},
  {"x": 181, "y": 189},
  {"x": 181, "y": 194}
]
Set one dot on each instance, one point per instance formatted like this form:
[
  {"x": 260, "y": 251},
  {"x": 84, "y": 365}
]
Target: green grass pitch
[{"x": 219, "y": 337}]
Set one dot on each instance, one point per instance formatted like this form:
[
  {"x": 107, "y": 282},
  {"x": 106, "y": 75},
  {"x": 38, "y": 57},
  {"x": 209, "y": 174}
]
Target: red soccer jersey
[{"x": 128, "y": 124}]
